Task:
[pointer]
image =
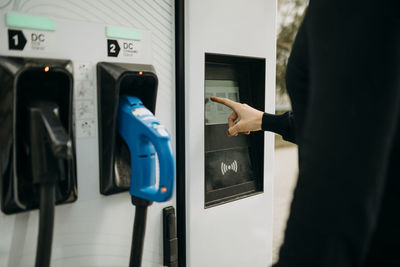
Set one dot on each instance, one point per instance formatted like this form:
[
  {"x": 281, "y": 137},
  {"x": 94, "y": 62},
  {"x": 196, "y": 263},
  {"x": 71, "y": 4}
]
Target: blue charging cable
[{"x": 145, "y": 137}]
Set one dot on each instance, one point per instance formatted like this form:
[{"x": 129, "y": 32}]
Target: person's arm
[
  {"x": 353, "y": 109},
  {"x": 282, "y": 124}
]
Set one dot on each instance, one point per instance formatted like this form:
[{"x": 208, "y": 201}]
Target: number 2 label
[{"x": 113, "y": 48}]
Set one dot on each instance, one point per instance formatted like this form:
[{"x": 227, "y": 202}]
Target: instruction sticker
[
  {"x": 83, "y": 71},
  {"x": 84, "y": 82},
  {"x": 85, "y": 109},
  {"x": 85, "y": 128},
  {"x": 85, "y": 89},
  {"x": 123, "y": 48},
  {"x": 31, "y": 40}
]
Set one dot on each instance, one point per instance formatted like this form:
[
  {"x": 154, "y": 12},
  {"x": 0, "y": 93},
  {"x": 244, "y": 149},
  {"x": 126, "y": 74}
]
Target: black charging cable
[
  {"x": 49, "y": 143},
  {"x": 139, "y": 230},
  {"x": 46, "y": 225}
]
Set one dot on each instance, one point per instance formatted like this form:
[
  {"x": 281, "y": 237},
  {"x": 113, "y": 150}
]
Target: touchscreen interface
[{"x": 216, "y": 113}]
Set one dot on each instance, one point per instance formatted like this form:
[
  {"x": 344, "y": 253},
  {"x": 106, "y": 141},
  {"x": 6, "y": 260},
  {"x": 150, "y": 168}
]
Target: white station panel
[
  {"x": 237, "y": 232},
  {"x": 95, "y": 230}
]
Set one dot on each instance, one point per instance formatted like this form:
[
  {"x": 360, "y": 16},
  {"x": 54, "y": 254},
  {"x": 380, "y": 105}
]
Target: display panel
[
  {"x": 228, "y": 166},
  {"x": 227, "y": 163},
  {"x": 233, "y": 164},
  {"x": 216, "y": 113}
]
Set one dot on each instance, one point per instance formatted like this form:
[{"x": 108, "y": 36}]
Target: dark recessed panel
[
  {"x": 25, "y": 81},
  {"x": 233, "y": 165}
]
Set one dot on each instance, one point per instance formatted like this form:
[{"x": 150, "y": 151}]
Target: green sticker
[
  {"x": 123, "y": 33},
  {"x": 30, "y": 22}
]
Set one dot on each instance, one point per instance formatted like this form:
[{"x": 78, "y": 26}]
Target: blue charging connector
[{"x": 145, "y": 136}]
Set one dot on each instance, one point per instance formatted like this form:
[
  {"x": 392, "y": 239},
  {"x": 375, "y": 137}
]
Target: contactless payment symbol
[
  {"x": 113, "y": 48},
  {"x": 16, "y": 40},
  {"x": 232, "y": 167}
]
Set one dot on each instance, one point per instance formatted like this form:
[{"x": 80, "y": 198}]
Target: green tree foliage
[{"x": 290, "y": 16}]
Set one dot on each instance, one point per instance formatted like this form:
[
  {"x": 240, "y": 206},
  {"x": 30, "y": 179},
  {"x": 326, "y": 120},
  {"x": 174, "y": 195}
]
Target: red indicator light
[{"x": 163, "y": 189}]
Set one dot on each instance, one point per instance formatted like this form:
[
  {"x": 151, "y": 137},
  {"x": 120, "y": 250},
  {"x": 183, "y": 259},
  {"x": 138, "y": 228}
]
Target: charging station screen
[
  {"x": 228, "y": 168},
  {"x": 216, "y": 113}
]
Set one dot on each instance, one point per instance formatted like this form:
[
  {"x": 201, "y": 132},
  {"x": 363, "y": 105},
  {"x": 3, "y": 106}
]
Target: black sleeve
[
  {"x": 282, "y": 124},
  {"x": 352, "y": 111}
]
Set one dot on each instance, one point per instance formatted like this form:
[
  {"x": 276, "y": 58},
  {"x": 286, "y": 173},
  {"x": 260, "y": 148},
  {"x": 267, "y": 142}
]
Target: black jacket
[{"x": 343, "y": 79}]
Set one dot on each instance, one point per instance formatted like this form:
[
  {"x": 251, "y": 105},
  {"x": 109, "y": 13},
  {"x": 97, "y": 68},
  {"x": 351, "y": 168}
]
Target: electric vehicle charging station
[{"x": 221, "y": 222}]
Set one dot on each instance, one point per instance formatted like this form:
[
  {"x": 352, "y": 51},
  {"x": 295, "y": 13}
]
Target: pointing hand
[{"x": 244, "y": 119}]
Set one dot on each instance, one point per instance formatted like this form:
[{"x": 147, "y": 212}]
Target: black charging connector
[{"x": 47, "y": 144}]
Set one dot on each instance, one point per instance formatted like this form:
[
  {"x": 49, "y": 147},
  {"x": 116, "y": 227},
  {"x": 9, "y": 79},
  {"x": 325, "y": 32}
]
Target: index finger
[{"x": 225, "y": 101}]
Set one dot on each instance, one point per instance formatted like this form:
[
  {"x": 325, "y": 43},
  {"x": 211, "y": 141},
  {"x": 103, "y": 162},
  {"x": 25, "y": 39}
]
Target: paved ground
[{"x": 286, "y": 169}]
